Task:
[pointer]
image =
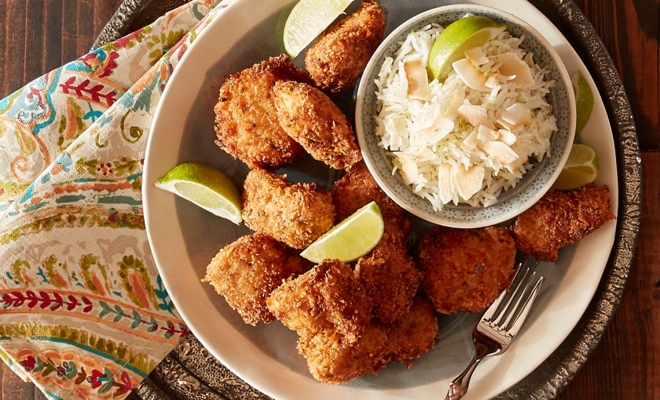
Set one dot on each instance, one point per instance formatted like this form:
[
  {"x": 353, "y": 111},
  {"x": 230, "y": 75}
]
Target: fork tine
[
  {"x": 514, "y": 326},
  {"x": 517, "y": 296},
  {"x": 502, "y": 303}
]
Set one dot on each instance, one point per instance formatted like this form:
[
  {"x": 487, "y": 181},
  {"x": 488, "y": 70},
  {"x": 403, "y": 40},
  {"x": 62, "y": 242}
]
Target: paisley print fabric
[{"x": 83, "y": 312}]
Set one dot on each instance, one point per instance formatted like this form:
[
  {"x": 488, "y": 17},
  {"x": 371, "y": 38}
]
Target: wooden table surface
[{"x": 37, "y": 36}]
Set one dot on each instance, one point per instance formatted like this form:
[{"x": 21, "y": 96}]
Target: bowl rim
[{"x": 436, "y": 217}]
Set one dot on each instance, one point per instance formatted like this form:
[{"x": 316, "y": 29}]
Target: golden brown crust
[
  {"x": 561, "y": 218},
  {"x": 245, "y": 118},
  {"x": 294, "y": 213},
  {"x": 465, "y": 269},
  {"x": 338, "y": 58},
  {"x": 326, "y": 297},
  {"x": 246, "y": 271},
  {"x": 309, "y": 117},
  {"x": 390, "y": 278},
  {"x": 331, "y": 359},
  {"x": 357, "y": 188},
  {"x": 413, "y": 334}
]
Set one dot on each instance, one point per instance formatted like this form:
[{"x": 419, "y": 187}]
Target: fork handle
[{"x": 459, "y": 386}]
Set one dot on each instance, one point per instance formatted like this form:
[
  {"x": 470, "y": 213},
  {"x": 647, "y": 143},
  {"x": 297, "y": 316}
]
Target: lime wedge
[
  {"x": 307, "y": 20},
  {"x": 584, "y": 101},
  {"x": 459, "y": 36},
  {"x": 581, "y": 168},
  {"x": 206, "y": 187},
  {"x": 351, "y": 238}
]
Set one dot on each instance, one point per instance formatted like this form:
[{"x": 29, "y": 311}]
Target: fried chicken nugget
[
  {"x": 326, "y": 297},
  {"x": 246, "y": 271},
  {"x": 309, "y": 116},
  {"x": 331, "y": 359},
  {"x": 389, "y": 276},
  {"x": 293, "y": 213},
  {"x": 338, "y": 58},
  {"x": 561, "y": 218},
  {"x": 246, "y": 124},
  {"x": 465, "y": 269},
  {"x": 413, "y": 334},
  {"x": 357, "y": 188}
]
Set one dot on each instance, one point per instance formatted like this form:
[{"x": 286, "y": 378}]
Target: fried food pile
[{"x": 354, "y": 319}]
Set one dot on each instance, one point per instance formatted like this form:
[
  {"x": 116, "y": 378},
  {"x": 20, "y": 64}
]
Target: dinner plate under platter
[{"x": 192, "y": 372}]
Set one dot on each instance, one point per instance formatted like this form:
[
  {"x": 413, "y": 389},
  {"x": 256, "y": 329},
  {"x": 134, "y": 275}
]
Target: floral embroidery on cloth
[{"x": 83, "y": 311}]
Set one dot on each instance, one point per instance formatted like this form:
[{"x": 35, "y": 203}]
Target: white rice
[{"x": 425, "y": 164}]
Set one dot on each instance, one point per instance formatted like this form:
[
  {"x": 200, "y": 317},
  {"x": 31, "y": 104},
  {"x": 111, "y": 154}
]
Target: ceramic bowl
[{"x": 536, "y": 182}]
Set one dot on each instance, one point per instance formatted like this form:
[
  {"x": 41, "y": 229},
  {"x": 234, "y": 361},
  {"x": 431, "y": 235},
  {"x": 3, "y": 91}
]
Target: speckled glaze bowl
[{"x": 536, "y": 182}]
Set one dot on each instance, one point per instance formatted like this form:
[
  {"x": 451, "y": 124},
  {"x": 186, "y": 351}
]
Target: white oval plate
[{"x": 184, "y": 237}]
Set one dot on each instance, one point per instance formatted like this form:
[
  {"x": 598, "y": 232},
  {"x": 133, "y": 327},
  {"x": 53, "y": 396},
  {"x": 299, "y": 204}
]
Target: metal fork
[{"x": 499, "y": 325}]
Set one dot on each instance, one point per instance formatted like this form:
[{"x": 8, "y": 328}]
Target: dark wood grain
[{"x": 39, "y": 35}]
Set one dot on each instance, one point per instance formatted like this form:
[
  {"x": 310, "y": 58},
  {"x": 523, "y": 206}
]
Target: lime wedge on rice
[
  {"x": 307, "y": 20},
  {"x": 350, "y": 239},
  {"x": 584, "y": 101},
  {"x": 581, "y": 168},
  {"x": 459, "y": 36},
  {"x": 206, "y": 187}
]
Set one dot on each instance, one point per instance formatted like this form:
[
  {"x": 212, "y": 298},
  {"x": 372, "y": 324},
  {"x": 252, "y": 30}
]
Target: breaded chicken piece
[
  {"x": 413, "y": 334},
  {"x": 389, "y": 276},
  {"x": 357, "y": 188},
  {"x": 293, "y": 213},
  {"x": 309, "y": 117},
  {"x": 336, "y": 61},
  {"x": 331, "y": 359},
  {"x": 246, "y": 271},
  {"x": 561, "y": 218},
  {"x": 326, "y": 297},
  {"x": 245, "y": 118},
  {"x": 465, "y": 269}
]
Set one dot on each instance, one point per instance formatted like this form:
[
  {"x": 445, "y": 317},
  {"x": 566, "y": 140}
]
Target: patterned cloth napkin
[{"x": 83, "y": 311}]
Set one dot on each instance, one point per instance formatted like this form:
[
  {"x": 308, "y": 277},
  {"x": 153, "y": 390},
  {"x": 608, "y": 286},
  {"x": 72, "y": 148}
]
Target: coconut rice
[{"x": 453, "y": 143}]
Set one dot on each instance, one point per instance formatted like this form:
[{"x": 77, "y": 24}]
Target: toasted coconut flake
[
  {"x": 470, "y": 75},
  {"x": 511, "y": 65},
  {"x": 486, "y": 134},
  {"x": 418, "y": 81},
  {"x": 469, "y": 181},
  {"x": 517, "y": 114},
  {"x": 507, "y": 137},
  {"x": 446, "y": 187},
  {"x": 500, "y": 151},
  {"x": 409, "y": 171},
  {"x": 474, "y": 114},
  {"x": 476, "y": 56}
]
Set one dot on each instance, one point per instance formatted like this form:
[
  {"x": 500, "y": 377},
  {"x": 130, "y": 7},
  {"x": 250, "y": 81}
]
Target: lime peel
[
  {"x": 581, "y": 168},
  {"x": 351, "y": 239},
  {"x": 584, "y": 101},
  {"x": 206, "y": 187},
  {"x": 459, "y": 36},
  {"x": 307, "y": 20}
]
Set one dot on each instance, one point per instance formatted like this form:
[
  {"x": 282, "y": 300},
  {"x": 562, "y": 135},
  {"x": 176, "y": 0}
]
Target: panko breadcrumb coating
[
  {"x": 338, "y": 58},
  {"x": 246, "y": 271},
  {"x": 561, "y": 218},
  {"x": 326, "y": 297},
  {"x": 309, "y": 117},
  {"x": 413, "y": 334},
  {"x": 357, "y": 188},
  {"x": 390, "y": 277},
  {"x": 331, "y": 359},
  {"x": 465, "y": 269},
  {"x": 245, "y": 118},
  {"x": 293, "y": 213}
]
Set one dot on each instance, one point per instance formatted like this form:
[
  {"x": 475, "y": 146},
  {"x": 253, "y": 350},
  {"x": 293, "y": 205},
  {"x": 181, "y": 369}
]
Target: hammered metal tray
[{"x": 191, "y": 372}]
